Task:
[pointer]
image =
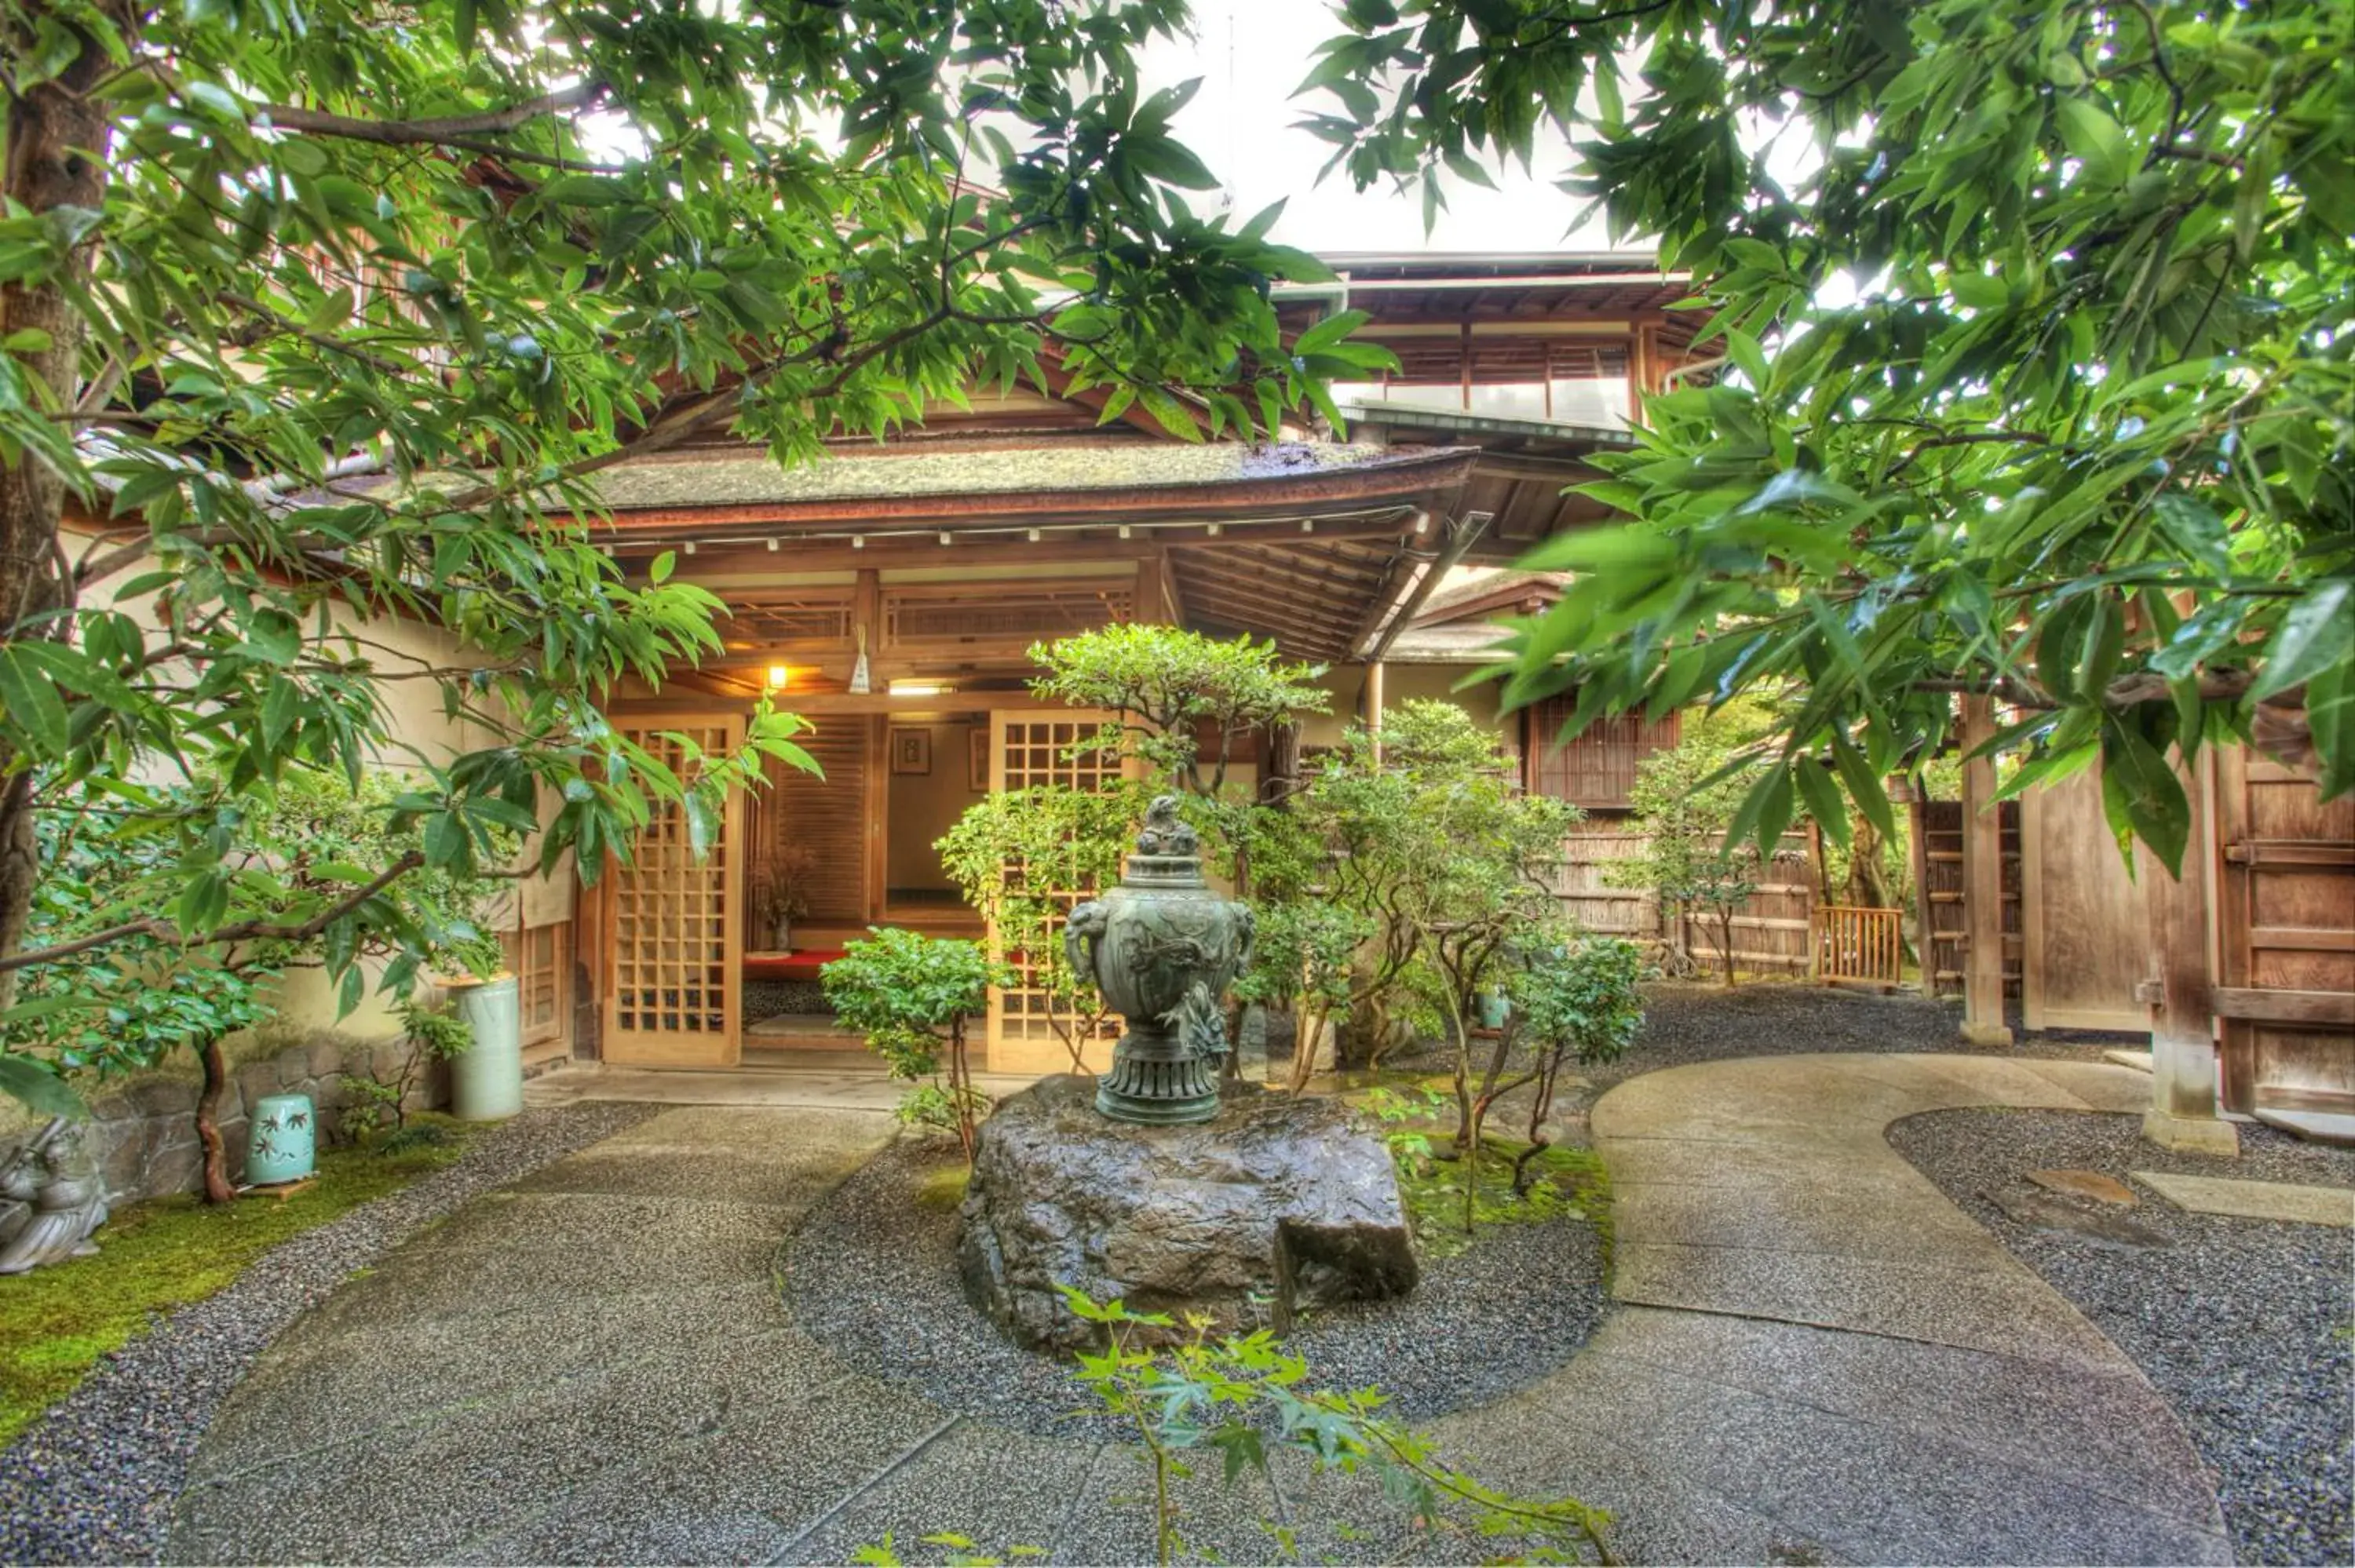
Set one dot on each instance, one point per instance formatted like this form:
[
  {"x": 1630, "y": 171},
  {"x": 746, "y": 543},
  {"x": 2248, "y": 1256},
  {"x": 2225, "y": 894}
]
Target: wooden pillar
[
  {"x": 1983, "y": 1019},
  {"x": 1372, "y": 702},
  {"x": 2182, "y": 1114}
]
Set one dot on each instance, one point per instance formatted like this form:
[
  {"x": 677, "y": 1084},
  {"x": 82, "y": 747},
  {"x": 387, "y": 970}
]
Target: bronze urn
[{"x": 1163, "y": 948}]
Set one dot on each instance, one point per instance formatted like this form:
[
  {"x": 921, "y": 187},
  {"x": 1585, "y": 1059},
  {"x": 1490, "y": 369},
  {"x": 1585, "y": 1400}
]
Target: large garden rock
[{"x": 1278, "y": 1205}]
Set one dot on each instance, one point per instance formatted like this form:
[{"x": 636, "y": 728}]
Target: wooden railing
[{"x": 1856, "y": 945}]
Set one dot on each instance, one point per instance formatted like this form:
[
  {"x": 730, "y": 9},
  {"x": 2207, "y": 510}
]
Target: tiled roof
[{"x": 699, "y": 480}]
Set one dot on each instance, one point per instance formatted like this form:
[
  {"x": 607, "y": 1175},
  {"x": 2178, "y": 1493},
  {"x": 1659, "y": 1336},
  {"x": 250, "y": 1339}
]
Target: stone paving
[{"x": 1815, "y": 1356}]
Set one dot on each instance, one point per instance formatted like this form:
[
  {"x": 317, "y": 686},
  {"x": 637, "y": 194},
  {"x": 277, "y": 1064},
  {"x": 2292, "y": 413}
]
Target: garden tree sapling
[
  {"x": 1303, "y": 955},
  {"x": 1426, "y": 837},
  {"x": 911, "y": 996},
  {"x": 106, "y": 1008},
  {"x": 2035, "y": 377},
  {"x": 378, "y": 1106},
  {"x": 316, "y": 322},
  {"x": 1165, "y": 687},
  {"x": 1022, "y": 858},
  {"x": 1686, "y": 798},
  {"x": 1576, "y": 1004}
]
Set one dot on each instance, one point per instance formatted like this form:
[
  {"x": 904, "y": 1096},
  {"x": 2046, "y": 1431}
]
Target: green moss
[
  {"x": 156, "y": 1256},
  {"x": 1565, "y": 1180},
  {"x": 944, "y": 1188}
]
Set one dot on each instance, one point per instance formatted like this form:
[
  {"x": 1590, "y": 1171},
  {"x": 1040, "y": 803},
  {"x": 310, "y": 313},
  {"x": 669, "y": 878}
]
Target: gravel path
[
  {"x": 2244, "y": 1325},
  {"x": 1480, "y": 1325},
  {"x": 94, "y": 1480}
]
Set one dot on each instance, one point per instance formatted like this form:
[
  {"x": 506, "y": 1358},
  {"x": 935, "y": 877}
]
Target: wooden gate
[
  {"x": 2085, "y": 935},
  {"x": 674, "y": 936},
  {"x": 1857, "y": 945},
  {"x": 2285, "y": 923},
  {"x": 1030, "y": 747}
]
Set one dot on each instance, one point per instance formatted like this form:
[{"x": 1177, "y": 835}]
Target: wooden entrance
[
  {"x": 2284, "y": 1001},
  {"x": 1030, "y": 747},
  {"x": 2085, "y": 945},
  {"x": 674, "y": 932}
]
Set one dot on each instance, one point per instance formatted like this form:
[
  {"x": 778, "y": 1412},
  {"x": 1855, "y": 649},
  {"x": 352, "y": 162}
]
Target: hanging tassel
[{"x": 858, "y": 683}]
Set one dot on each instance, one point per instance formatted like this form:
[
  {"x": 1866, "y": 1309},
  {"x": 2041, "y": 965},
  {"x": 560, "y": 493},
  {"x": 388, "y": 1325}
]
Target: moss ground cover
[
  {"x": 157, "y": 1257},
  {"x": 1564, "y": 1179}
]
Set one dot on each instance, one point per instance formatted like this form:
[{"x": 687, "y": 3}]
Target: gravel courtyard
[{"x": 2247, "y": 1325}]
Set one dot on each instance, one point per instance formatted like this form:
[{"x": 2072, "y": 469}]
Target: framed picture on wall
[
  {"x": 976, "y": 759},
  {"x": 911, "y": 751}
]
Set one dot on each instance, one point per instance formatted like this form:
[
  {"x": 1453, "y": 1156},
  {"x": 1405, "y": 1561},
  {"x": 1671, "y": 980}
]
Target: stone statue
[
  {"x": 50, "y": 1201},
  {"x": 1163, "y": 948}
]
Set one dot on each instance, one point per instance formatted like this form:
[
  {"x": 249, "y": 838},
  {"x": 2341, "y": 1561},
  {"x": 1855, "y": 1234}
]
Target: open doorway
[
  {"x": 835, "y": 853},
  {"x": 936, "y": 769}
]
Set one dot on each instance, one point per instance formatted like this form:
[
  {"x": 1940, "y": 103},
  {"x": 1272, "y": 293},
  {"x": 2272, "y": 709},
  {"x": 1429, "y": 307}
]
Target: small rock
[
  {"x": 2050, "y": 1214},
  {"x": 2085, "y": 1184}
]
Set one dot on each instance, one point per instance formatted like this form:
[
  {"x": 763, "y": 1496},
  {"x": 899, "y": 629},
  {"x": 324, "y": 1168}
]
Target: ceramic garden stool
[{"x": 284, "y": 1145}]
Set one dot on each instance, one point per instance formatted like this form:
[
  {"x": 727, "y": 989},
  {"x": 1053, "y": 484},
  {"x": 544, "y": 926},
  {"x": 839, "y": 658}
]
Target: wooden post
[
  {"x": 1918, "y": 851},
  {"x": 1372, "y": 701},
  {"x": 1983, "y": 1019},
  {"x": 2182, "y": 1114}
]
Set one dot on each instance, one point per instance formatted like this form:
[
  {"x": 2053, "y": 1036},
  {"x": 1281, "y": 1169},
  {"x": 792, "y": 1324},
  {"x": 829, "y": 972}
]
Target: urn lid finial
[
  {"x": 1166, "y": 832},
  {"x": 1168, "y": 851}
]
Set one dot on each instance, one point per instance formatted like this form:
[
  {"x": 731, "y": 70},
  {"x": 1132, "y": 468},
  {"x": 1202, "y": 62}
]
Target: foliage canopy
[
  {"x": 314, "y": 319},
  {"x": 2037, "y": 382}
]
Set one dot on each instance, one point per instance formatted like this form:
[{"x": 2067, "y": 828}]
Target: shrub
[{"x": 911, "y": 996}]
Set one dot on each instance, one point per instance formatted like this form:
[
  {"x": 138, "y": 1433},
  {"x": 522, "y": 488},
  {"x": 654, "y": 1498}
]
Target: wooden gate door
[
  {"x": 1026, "y": 748},
  {"x": 2085, "y": 944},
  {"x": 2285, "y": 916},
  {"x": 674, "y": 932}
]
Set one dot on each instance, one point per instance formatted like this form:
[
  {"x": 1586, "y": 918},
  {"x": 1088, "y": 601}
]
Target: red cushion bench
[{"x": 802, "y": 965}]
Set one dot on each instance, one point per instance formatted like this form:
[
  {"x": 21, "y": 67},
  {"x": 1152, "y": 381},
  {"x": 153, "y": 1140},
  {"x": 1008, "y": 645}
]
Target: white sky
[{"x": 1251, "y": 56}]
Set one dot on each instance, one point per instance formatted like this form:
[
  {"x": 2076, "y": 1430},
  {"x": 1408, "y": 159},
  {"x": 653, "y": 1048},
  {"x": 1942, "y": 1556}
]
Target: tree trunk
[
  {"x": 208, "y": 1133},
  {"x": 56, "y": 142}
]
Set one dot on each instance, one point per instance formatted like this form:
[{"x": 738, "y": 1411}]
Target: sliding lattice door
[
  {"x": 675, "y": 934},
  {"x": 1028, "y": 748}
]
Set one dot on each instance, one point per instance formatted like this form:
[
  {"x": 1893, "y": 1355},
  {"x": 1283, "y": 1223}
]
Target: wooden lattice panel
[
  {"x": 935, "y": 616},
  {"x": 672, "y": 996},
  {"x": 1029, "y": 750},
  {"x": 796, "y": 618}
]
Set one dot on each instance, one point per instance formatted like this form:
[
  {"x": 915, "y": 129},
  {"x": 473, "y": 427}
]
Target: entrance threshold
[{"x": 832, "y": 1085}]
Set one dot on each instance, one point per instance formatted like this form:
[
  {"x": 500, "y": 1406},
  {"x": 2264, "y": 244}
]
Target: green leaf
[
  {"x": 37, "y": 1089},
  {"x": 2141, "y": 794},
  {"x": 29, "y": 702},
  {"x": 2318, "y": 635}
]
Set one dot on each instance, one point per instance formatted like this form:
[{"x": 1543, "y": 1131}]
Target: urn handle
[{"x": 1083, "y": 930}]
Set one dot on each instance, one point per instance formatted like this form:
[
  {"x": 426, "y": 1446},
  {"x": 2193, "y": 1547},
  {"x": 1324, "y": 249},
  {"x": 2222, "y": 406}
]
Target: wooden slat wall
[
  {"x": 827, "y": 816},
  {"x": 1770, "y": 928},
  {"x": 1597, "y": 768},
  {"x": 1938, "y": 825}
]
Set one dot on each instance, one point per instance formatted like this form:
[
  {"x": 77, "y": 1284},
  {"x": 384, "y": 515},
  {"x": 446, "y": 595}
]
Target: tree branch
[
  {"x": 443, "y": 131},
  {"x": 242, "y": 931}
]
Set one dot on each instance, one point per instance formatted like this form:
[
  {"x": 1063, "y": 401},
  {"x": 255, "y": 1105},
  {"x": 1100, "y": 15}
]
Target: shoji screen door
[{"x": 674, "y": 932}]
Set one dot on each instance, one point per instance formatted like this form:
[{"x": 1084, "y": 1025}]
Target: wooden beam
[
  {"x": 752, "y": 557},
  {"x": 815, "y": 704},
  {"x": 1983, "y": 1017},
  {"x": 2260, "y": 1006}
]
